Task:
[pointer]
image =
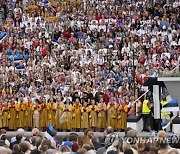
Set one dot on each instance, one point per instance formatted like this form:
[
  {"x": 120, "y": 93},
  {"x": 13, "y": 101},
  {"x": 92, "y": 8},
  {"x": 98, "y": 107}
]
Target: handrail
[
  {"x": 168, "y": 124},
  {"x": 170, "y": 73},
  {"x": 140, "y": 96},
  {"x": 174, "y": 68},
  {"x": 139, "y": 99}
]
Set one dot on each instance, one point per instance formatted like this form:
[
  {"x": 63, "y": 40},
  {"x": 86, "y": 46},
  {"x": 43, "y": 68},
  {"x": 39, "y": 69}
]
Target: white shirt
[
  {"x": 154, "y": 57},
  {"x": 173, "y": 43},
  {"x": 28, "y": 45},
  {"x": 103, "y": 27},
  {"x": 165, "y": 55},
  {"x": 92, "y": 27},
  {"x": 100, "y": 61}
]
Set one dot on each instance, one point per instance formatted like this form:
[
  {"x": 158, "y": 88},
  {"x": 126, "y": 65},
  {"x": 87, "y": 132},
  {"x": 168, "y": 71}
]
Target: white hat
[
  {"x": 110, "y": 46},
  {"x": 164, "y": 27}
]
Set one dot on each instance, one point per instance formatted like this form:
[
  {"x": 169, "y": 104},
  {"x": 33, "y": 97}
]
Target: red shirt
[
  {"x": 22, "y": 47},
  {"x": 5, "y": 45},
  {"x": 66, "y": 35},
  {"x": 98, "y": 17},
  {"x": 35, "y": 43},
  {"x": 159, "y": 49},
  {"x": 63, "y": 79},
  {"x": 150, "y": 50},
  {"x": 106, "y": 98},
  {"x": 44, "y": 52},
  {"x": 141, "y": 79},
  {"x": 142, "y": 61}
]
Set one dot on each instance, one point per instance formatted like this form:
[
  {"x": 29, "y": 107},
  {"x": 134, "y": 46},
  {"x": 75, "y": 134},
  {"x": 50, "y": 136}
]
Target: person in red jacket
[{"x": 44, "y": 51}]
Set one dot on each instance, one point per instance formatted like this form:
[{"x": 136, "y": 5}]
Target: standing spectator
[{"x": 146, "y": 111}]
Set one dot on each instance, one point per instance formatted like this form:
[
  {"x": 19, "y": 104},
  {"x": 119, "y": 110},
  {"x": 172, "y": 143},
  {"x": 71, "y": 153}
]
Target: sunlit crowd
[{"x": 63, "y": 59}]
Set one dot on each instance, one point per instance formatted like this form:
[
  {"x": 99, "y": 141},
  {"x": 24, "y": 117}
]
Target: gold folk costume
[
  {"x": 17, "y": 108},
  {"x": 21, "y": 115},
  {"x": 93, "y": 116},
  {"x": 67, "y": 117},
  {"x": 36, "y": 115},
  {"x": 84, "y": 117},
  {"x": 51, "y": 113},
  {"x": 12, "y": 116},
  {"x": 112, "y": 115},
  {"x": 58, "y": 114},
  {"x": 20, "y": 108},
  {"x": 1, "y": 115},
  {"x": 28, "y": 113},
  {"x": 101, "y": 116},
  {"x": 5, "y": 119},
  {"x": 43, "y": 115},
  {"x": 77, "y": 116},
  {"x": 122, "y": 117}
]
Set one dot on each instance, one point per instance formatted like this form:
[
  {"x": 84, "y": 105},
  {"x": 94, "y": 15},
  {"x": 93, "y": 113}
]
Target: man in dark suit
[{"x": 18, "y": 140}]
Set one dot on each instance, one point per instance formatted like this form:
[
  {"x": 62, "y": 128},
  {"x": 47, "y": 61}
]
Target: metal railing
[
  {"x": 175, "y": 72},
  {"x": 175, "y": 69},
  {"x": 138, "y": 100}
]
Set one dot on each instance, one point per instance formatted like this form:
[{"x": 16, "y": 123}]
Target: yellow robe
[
  {"x": 20, "y": 108},
  {"x": 1, "y": 116},
  {"x": 77, "y": 116},
  {"x": 93, "y": 116},
  {"x": 43, "y": 115},
  {"x": 5, "y": 117},
  {"x": 112, "y": 116},
  {"x": 122, "y": 117},
  {"x": 12, "y": 116},
  {"x": 59, "y": 112},
  {"x": 28, "y": 114},
  {"x": 101, "y": 116},
  {"x": 17, "y": 108},
  {"x": 36, "y": 114},
  {"x": 84, "y": 117},
  {"x": 51, "y": 114},
  {"x": 67, "y": 117}
]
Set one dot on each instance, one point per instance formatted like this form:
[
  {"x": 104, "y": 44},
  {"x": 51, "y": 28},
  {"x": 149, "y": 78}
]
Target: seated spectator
[
  {"x": 162, "y": 142},
  {"x": 25, "y": 147},
  {"x": 81, "y": 151},
  {"x": 16, "y": 149},
  {"x": 5, "y": 150},
  {"x": 173, "y": 152},
  {"x": 65, "y": 149},
  {"x": 18, "y": 140},
  {"x": 45, "y": 145},
  {"x": 96, "y": 142},
  {"x": 20, "y": 132},
  {"x": 130, "y": 151}
]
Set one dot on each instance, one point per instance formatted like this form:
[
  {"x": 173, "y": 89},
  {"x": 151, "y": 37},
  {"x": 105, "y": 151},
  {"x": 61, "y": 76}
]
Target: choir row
[{"x": 63, "y": 116}]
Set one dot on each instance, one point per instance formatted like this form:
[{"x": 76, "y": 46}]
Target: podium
[
  {"x": 176, "y": 125},
  {"x": 173, "y": 86},
  {"x": 135, "y": 122}
]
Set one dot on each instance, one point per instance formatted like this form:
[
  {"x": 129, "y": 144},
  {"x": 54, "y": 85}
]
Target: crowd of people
[
  {"x": 110, "y": 143},
  {"x": 81, "y": 59}
]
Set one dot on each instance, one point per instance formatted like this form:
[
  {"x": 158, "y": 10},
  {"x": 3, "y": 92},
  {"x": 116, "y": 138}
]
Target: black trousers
[{"x": 146, "y": 121}]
